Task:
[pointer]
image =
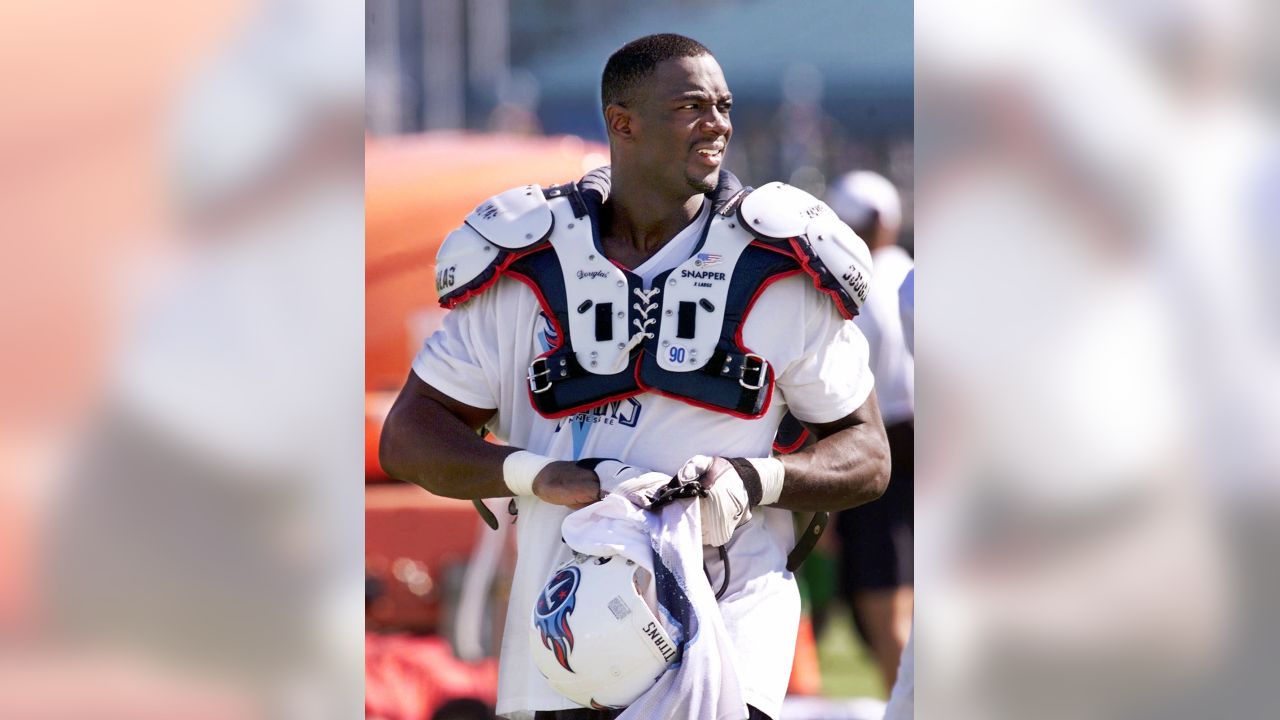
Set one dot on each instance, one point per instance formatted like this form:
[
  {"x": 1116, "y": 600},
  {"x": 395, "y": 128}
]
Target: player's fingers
[
  {"x": 694, "y": 467},
  {"x": 581, "y": 496},
  {"x": 582, "y": 501},
  {"x": 714, "y": 470}
]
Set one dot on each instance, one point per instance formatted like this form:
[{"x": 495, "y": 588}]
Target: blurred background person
[
  {"x": 876, "y": 539},
  {"x": 902, "y": 696}
]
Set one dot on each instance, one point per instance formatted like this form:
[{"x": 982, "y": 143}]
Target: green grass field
[
  {"x": 847, "y": 668},
  {"x": 846, "y": 665}
]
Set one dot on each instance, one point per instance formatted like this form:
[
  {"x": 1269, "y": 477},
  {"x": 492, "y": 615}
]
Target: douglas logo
[
  {"x": 582, "y": 274},
  {"x": 854, "y": 279}
]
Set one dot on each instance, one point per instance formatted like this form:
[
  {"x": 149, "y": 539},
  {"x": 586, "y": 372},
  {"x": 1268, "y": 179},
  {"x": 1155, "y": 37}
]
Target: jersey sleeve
[
  {"x": 453, "y": 359},
  {"x": 832, "y": 376}
]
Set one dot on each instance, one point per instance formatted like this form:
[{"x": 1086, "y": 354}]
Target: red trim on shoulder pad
[
  {"x": 788, "y": 449},
  {"x": 713, "y": 408},
  {"x": 737, "y": 335},
  {"x": 775, "y": 247},
  {"x": 560, "y": 337},
  {"x": 585, "y": 406},
  {"x": 498, "y": 270},
  {"x": 546, "y": 309},
  {"x": 737, "y": 339},
  {"x": 814, "y": 275}
]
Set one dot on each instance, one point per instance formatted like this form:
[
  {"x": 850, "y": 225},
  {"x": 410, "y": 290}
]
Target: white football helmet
[{"x": 596, "y": 633}]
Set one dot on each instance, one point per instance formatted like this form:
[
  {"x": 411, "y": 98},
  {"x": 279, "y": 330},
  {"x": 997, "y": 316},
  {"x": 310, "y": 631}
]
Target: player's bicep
[
  {"x": 458, "y": 359},
  {"x": 831, "y": 379},
  {"x": 867, "y": 414},
  {"x": 474, "y": 417}
]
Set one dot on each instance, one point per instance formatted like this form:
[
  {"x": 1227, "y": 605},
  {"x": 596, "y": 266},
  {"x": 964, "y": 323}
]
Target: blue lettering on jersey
[{"x": 623, "y": 413}]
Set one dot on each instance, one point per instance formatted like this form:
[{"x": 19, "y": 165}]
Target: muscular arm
[
  {"x": 848, "y": 466},
  {"x": 431, "y": 440}
]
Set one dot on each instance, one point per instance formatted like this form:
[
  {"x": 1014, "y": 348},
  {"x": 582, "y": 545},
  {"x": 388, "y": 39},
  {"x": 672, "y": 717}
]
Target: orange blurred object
[
  {"x": 376, "y": 406},
  {"x": 806, "y": 675},
  {"x": 418, "y": 189},
  {"x": 412, "y": 540},
  {"x": 409, "y": 678}
]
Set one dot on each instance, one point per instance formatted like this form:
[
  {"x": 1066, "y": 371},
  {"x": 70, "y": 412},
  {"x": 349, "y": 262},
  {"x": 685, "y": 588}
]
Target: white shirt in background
[{"x": 881, "y": 323}]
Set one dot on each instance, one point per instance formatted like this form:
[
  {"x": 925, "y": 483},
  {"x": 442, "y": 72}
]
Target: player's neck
[{"x": 644, "y": 220}]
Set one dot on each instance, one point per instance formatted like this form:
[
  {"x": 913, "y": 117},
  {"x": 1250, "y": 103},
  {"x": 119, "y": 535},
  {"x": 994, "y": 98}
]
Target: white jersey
[
  {"x": 481, "y": 357},
  {"x": 881, "y": 323}
]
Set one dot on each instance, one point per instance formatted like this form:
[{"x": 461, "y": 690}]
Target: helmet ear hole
[{"x": 642, "y": 579}]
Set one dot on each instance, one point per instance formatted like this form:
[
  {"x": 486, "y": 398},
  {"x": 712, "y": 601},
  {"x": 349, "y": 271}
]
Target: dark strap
[
  {"x": 730, "y": 364},
  {"x": 486, "y": 514},
  {"x": 590, "y": 463},
  {"x": 750, "y": 480},
  {"x": 807, "y": 540}
]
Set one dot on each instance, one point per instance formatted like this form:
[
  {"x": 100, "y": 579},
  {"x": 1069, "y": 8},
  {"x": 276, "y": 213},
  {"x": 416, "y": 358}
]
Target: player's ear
[{"x": 619, "y": 121}]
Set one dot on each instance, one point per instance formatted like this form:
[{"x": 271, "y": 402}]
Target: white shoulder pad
[
  {"x": 832, "y": 245},
  {"x": 778, "y": 211},
  {"x": 833, "y": 255},
  {"x": 464, "y": 265},
  {"x": 514, "y": 219}
]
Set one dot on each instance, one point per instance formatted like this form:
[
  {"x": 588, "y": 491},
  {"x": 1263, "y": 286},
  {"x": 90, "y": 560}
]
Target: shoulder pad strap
[
  {"x": 466, "y": 265},
  {"x": 514, "y": 219},
  {"x": 829, "y": 251},
  {"x": 778, "y": 211}
]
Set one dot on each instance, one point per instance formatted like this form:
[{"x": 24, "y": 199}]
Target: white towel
[{"x": 703, "y": 683}]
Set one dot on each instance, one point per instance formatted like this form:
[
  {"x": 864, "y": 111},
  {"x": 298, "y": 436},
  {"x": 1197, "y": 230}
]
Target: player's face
[{"x": 684, "y": 125}]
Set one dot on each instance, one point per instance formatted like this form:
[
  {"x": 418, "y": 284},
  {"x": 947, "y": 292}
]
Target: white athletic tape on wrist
[
  {"x": 771, "y": 472},
  {"x": 519, "y": 470}
]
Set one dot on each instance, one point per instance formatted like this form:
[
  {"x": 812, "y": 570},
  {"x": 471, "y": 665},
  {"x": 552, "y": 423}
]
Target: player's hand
[
  {"x": 725, "y": 506},
  {"x": 638, "y": 485},
  {"x": 564, "y": 483}
]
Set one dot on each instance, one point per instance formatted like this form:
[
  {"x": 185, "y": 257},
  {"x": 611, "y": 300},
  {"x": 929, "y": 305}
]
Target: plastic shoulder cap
[
  {"x": 829, "y": 250},
  {"x": 515, "y": 219},
  {"x": 466, "y": 265},
  {"x": 778, "y": 211}
]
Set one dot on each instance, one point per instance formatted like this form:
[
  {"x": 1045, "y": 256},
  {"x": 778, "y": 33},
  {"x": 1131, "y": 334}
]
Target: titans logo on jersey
[{"x": 551, "y": 614}]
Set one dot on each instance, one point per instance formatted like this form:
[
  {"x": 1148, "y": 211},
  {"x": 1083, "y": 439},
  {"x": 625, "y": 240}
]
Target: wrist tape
[
  {"x": 762, "y": 477},
  {"x": 519, "y": 470}
]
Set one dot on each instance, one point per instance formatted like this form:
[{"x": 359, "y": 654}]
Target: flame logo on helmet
[{"x": 551, "y": 613}]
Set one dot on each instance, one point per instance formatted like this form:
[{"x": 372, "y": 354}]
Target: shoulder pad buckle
[{"x": 515, "y": 219}]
